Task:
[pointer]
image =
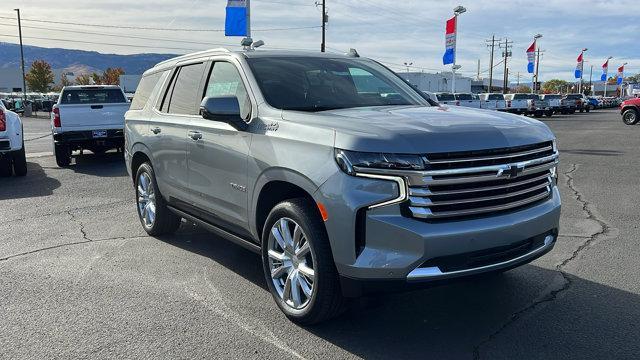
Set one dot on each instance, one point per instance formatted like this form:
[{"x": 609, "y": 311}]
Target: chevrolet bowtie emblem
[{"x": 511, "y": 171}]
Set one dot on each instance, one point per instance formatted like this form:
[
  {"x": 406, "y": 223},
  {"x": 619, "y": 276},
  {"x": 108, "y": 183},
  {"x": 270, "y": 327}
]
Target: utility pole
[
  {"x": 492, "y": 46},
  {"x": 24, "y": 79},
  {"x": 581, "y": 69},
  {"x": 518, "y": 79},
  {"x": 590, "y": 80},
  {"x": 506, "y": 54},
  {"x": 478, "y": 77},
  {"x": 324, "y": 26}
]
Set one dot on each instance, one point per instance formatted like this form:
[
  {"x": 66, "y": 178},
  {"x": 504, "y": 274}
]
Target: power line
[{"x": 153, "y": 28}]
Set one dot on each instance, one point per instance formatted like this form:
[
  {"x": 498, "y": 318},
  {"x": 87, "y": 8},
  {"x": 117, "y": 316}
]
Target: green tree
[
  {"x": 40, "y": 77},
  {"x": 111, "y": 76},
  {"x": 633, "y": 78},
  {"x": 523, "y": 89},
  {"x": 554, "y": 86},
  {"x": 97, "y": 79},
  {"x": 64, "y": 80},
  {"x": 83, "y": 79}
]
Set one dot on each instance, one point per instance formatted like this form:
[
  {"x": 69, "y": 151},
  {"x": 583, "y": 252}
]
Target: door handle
[
  {"x": 156, "y": 130},
  {"x": 195, "y": 135}
]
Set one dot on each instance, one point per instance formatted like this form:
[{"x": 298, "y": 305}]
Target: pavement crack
[
  {"x": 63, "y": 245},
  {"x": 111, "y": 204},
  {"x": 82, "y": 230},
  {"x": 567, "y": 282}
]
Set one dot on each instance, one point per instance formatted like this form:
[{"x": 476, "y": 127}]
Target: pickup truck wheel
[
  {"x": 155, "y": 216},
  {"x": 298, "y": 263},
  {"x": 5, "y": 165},
  {"x": 630, "y": 117},
  {"x": 20, "y": 162},
  {"x": 63, "y": 154},
  {"x": 549, "y": 113}
]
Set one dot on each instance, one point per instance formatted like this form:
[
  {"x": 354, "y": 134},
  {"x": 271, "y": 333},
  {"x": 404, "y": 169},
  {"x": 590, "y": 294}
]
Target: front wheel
[
  {"x": 298, "y": 263},
  {"x": 155, "y": 216},
  {"x": 5, "y": 165},
  {"x": 630, "y": 117}
]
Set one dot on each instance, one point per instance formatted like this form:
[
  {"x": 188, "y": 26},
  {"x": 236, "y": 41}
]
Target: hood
[{"x": 419, "y": 129}]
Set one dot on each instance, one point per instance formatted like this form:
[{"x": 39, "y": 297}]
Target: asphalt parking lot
[{"x": 80, "y": 279}]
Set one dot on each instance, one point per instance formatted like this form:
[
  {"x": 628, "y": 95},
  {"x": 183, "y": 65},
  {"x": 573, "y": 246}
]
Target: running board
[{"x": 247, "y": 244}]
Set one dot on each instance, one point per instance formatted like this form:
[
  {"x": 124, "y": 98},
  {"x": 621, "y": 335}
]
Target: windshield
[
  {"x": 317, "y": 84},
  {"x": 464, "y": 97},
  {"x": 92, "y": 96},
  {"x": 495, "y": 97}
]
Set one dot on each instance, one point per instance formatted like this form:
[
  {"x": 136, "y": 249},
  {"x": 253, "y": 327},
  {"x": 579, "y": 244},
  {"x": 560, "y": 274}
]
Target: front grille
[{"x": 480, "y": 182}]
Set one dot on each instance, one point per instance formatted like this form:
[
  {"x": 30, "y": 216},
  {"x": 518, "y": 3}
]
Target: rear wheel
[
  {"x": 5, "y": 165},
  {"x": 630, "y": 117},
  {"x": 20, "y": 162},
  {"x": 298, "y": 263},
  {"x": 549, "y": 113},
  {"x": 155, "y": 216},
  {"x": 63, "y": 154}
]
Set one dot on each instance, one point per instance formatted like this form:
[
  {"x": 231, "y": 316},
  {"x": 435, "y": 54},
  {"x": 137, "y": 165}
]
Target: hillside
[{"x": 78, "y": 59}]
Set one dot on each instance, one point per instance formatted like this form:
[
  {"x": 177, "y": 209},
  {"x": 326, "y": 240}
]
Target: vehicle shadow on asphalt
[
  {"x": 450, "y": 321},
  {"x": 35, "y": 184},
  {"x": 110, "y": 164}
]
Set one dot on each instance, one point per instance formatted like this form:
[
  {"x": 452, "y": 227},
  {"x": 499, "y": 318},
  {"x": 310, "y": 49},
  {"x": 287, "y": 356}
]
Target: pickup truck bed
[{"x": 88, "y": 117}]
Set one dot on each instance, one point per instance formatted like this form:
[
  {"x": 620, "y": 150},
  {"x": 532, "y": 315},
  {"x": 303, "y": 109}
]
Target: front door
[{"x": 218, "y": 155}]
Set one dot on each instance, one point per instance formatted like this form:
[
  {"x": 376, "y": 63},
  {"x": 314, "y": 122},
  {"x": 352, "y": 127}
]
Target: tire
[
  {"x": 538, "y": 114},
  {"x": 549, "y": 113},
  {"x": 20, "y": 162},
  {"x": 630, "y": 117},
  {"x": 572, "y": 111},
  {"x": 581, "y": 110},
  {"x": 63, "y": 154},
  {"x": 154, "y": 215},
  {"x": 5, "y": 165},
  {"x": 325, "y": 299},
  {"x": 588, "y": 109}
]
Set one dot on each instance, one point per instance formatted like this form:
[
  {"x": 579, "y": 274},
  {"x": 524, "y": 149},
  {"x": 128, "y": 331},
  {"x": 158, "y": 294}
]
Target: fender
[
  {"x": 136, "y": 148},
  {"x": 276, "y": 174}
]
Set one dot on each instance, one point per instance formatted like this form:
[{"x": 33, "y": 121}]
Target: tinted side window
[
  {"x": 146, "y": 86},
  {"x": 185, "y": 96},
  {"x": 226, "y": 81}
]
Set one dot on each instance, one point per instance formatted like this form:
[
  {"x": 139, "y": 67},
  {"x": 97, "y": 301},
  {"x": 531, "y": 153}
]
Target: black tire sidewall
[
  {"x": 290, "y": 209},
  {"x": 62, "y": 154},
  {"x": 630, "y": 111},
  {"x": 20, "y": 162}
]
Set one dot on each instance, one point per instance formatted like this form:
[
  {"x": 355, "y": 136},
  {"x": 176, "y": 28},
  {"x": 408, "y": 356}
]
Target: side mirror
[{"x": 224, "y": 109}]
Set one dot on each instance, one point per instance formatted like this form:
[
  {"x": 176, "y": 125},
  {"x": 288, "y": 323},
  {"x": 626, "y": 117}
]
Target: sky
[{"x": 393, "y": 32}]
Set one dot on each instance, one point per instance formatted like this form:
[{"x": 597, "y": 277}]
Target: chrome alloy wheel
[
  {"x": 291, "y": 263},
  {"x": 146, "y": 200}
]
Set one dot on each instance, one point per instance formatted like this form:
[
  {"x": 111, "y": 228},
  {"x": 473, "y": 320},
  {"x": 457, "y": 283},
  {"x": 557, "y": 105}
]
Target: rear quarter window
[
  {"x": 92, "y": 96},
  {"x": 144, "y": 90}
]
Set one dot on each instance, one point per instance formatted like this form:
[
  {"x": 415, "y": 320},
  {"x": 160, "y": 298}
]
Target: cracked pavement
[{"x": 79, "y": 278}]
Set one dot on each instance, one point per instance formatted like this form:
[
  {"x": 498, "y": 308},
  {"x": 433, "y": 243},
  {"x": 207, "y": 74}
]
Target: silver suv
[{"x": 343, "y": 176}]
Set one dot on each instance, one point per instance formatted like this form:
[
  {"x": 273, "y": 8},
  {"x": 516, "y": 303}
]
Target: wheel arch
[
  {"x": 139, "y": 155},
  {"x": 273, "y": 186}
]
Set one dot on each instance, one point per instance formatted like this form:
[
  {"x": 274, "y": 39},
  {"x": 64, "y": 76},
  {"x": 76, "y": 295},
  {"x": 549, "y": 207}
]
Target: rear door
[
  {"x": 93, "y": 108},
  {"x": 218, "y": 153},
  {"x": 167, "y": 130}
]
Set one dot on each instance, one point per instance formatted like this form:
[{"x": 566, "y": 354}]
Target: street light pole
[
  {"x": 24, "y": 78},
  {"x": 536, "y": 48},
  {"x": 581, "y": 70},
  {"x": 457, "y": 11}
]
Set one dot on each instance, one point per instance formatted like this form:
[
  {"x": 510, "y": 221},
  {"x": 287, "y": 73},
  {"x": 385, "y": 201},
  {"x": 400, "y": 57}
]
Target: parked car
[
  {"x": 519, "y": 103},
  {"x": 557, "y": 103},
  {"x": 342, "y": 190},
  {"x": 12, "y": 153},
  {"x": 540, "y": 106},
  {"x": 580, "y": 101},
  {"x": 447, "y": 99},
  {"x": 493, "y": 101},
  {"x": 630, "y": 111},
  {"x": 467, "y": 100},
  {"x": 88, "y": 118}
]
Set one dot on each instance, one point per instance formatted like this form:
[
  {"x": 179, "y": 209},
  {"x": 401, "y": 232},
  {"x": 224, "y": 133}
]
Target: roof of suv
[{"x": 248, "y": 54}]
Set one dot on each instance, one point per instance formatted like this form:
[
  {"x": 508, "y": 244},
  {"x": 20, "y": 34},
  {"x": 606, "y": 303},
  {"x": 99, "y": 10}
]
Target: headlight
[{"x": 347, "y": 160}]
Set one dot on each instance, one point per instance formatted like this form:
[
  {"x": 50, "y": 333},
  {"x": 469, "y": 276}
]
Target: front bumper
[{"x": 383, "y": 246}]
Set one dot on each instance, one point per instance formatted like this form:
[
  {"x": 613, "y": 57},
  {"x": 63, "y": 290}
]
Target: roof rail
[{"x": 190, "y": 55}]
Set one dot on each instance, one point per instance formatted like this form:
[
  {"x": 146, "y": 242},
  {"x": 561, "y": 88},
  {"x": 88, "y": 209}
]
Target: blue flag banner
[
  {"x": 235, "y": 23},
  {"x": 449, "y": 56},
  {"x": 531, "y": 58},
  {"x": 605, "y": 70},
  {"x": 603, "y": 77}
]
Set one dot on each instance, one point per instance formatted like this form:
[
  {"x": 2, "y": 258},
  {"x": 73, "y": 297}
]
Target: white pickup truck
[
  {"x": 88, "y": 117},
  {"x": 519, "y": 103},
  {"x": 447, "y": 99},
  {"x": 12, "y": 154},
  {"x": 493, "y": 101},
  {"x": 468, "y": 100}
]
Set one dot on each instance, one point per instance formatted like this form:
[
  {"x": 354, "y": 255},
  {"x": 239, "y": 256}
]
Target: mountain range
[{"x": 78, "y": 61}]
